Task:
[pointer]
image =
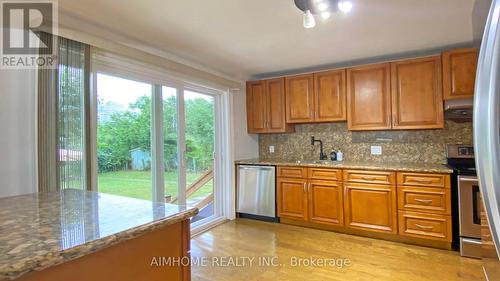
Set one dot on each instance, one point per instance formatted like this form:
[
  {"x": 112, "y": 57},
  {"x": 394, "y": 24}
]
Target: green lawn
[{"x": 137, "y": 184}]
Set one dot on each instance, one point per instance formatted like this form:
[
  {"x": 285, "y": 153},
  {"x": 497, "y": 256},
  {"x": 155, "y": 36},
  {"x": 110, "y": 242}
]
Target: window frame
[{"x": 116, "y": 65}]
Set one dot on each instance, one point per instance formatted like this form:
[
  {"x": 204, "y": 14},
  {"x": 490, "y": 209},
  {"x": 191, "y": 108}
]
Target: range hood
[{"x": 458, "y": 110}]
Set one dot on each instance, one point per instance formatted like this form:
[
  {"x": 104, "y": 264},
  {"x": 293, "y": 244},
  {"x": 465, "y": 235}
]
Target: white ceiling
[{"x": 241, "y": 38}]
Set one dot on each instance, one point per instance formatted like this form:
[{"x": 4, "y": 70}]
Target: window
[
  {"x": 156, "y": 138},
  {"x": 138, "y": 132}
]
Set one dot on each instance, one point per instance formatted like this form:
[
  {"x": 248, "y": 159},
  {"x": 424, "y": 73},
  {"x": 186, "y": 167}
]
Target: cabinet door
[
  {"x": 256, "y": 107},
  {"x": 369, "y": 97},
  {"x": 292, "y": 199},
  {"x": 299, "y": 99},
  {"x": 459, "y": 73},
  {"x": 275, "y": 89},
  {"x": 417, "y": 97},
  {"x": 370, "y": 207},
  {"x": 330, "y": 97},
  {"x": 325, "y": 202}
]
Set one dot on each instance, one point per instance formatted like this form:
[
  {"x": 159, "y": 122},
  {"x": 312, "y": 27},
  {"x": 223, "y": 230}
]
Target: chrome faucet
[{"x": 322, "y": 155}]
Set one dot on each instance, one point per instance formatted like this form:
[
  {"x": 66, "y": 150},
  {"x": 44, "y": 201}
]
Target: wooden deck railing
[{"x": 195, "y": 186}]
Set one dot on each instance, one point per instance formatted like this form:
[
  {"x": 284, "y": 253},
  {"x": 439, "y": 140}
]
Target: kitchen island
[{"x": 81, "y": 235}]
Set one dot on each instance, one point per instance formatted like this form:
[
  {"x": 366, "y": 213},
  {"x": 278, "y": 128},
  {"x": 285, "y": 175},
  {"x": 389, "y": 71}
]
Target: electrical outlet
[
  {"x": 271, "y": 149},
  {"x": 376, "y": 150}
]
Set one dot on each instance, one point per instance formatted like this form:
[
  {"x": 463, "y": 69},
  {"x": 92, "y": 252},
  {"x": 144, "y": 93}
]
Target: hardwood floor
[{"x": 370, "y": 259}]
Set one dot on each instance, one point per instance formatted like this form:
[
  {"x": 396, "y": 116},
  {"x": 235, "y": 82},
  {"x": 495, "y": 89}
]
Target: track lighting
[{"x": 322, "y": 8}]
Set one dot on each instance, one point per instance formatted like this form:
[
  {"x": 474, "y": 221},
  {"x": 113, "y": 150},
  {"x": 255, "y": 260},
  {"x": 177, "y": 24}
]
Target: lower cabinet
[
  {"x": 326, "y": 203},
  {"x": 423, "y": 225},
  {"x": 402, "y": 206},
  {"x": 292, "y": 198},
  {"x": 370, "y": 207},
  {"x": 316, "y": 197}
]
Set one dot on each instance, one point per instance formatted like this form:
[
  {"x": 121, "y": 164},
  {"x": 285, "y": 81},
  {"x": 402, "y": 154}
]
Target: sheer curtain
[{"x": 63, "y": 119}]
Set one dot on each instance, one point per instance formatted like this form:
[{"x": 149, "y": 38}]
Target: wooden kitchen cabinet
[
  {"x": 256, "y": 107},
  {"x": 292, "y": 198},
  {"x": 424, "y": 205},
  {"x": 369, "y": 97},
  {"x": 424, "y": 225},
  {"x": 424, "y": 199},
  {"x": 318, "y": 97},
  {"x": 299, "y": 98},
  {"x": 417, "y": 100},
  {"x": 370, "y": 207},
  {"x": 310, "y": 194},
  {"x": 330, "y": 96},
  {"x": 326, "y": 202},
  {"x": 459, "y": 73},
  {"x": 266, "y": 107},
  {"x": 399, "y": 206}
]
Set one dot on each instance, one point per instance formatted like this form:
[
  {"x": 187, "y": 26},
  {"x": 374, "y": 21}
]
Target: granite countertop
[
  {"x": 45, "y": 229},
  {"x": 380, "y": 166}
]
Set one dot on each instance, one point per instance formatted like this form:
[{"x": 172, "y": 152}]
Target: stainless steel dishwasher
[{"x": 256, "y": 192}]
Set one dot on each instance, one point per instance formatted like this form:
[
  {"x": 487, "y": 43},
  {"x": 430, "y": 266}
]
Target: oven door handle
[{"x": 474, "y": 179}]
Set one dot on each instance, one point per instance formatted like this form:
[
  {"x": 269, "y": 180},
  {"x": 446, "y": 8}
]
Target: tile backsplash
[{"x": 397, "y": 146}]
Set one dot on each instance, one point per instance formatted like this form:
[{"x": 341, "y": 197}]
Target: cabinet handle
[
  {"x": 305, "y": 187},
  {"x": 421, "y": 181},
  {"x": 425, "y": 201},
  {"x": 424, "y": 226},
  {"x": 369, "y": 178}
]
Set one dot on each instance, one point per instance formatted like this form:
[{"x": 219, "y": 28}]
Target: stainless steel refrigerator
[{"x": 487, "y": 130}]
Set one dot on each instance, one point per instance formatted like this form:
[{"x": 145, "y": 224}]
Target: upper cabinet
[
  {"x": 300, "y": 99},
  {"x": 369, "y": 97},
  {"x": 417, "y": 101},
  {"x": 318, "y": 97},
  {"x": 459, "y": 73},
  {"x": 266, "y": 107},
  {"x": 399, "y": 95},
  {"x": 330, "y": 96},
  {"x": 256, "y": 107}
]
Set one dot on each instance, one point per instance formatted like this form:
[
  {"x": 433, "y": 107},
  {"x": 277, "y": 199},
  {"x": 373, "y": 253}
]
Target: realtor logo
[{"x": 23, "y": 45}]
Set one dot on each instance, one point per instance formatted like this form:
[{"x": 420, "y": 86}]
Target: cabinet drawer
[
  {"x": 431, "y": 180},
  {"x": 292, "y": 172},
  {"x": 324, "y": 174},
  {"x": 424, "y": 199},
  {"x": 377, "y": 177},
  {"x": 428, "y": 226}
]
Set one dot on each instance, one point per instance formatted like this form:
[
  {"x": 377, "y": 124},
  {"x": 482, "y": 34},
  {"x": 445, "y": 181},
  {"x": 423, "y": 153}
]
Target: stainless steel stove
[{"x": 467, "y": 200}]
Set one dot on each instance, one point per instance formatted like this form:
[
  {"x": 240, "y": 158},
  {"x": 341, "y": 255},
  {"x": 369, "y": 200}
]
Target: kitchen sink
[{"x": 313, "y": 162}]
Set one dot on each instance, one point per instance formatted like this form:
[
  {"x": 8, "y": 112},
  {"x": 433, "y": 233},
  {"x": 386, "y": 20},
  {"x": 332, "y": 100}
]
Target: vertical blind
[
  {"x": 62, "y": 114},
  {"x": 71, "y": 168}
]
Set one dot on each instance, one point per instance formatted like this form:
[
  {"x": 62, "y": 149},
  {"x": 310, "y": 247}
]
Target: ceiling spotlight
[
  {"x": 309, "y": 21},
  {"x": 322, "y": 6},
  {"x": 345, "y": 6},
  {"x": 325, "y": 15}
]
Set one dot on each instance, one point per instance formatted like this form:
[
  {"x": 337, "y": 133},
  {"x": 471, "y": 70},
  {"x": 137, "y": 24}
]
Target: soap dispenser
[
  {"x": 333, "y": 155},
  {"x": 340, "y": 155}
]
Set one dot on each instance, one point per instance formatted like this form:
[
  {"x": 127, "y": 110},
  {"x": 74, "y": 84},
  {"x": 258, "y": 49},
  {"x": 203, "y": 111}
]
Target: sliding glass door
[
  {"x": 157, "y": 141},
  {"x": 189, "y": 129},
  {"x": 124, "y": 137},
  {"x": 200, "y": 151}
]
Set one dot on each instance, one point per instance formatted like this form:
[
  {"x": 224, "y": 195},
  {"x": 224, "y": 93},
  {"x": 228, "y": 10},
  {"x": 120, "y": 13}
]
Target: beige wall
[{"x": 245, "y": 145}]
